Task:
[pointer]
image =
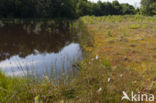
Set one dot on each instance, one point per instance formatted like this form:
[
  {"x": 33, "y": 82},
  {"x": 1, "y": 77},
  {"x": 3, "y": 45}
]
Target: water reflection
[
  {"x": 24, "y": 51},
  {"x": 43, "y": 62}
]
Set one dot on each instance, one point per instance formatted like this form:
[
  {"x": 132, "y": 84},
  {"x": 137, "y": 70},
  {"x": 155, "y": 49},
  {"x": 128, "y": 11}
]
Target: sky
[{"x": 135, "y": 3}]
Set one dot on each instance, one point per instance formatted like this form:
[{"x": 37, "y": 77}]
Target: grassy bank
[
  {"x": 120, "y": 55},
  {"x": 124, "y": 46}
]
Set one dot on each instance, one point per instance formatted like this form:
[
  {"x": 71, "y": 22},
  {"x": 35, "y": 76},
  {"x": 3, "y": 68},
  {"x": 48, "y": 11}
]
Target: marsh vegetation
[
  {"x": 76, "y": 51},
  {"x": 119, "y": 56}
]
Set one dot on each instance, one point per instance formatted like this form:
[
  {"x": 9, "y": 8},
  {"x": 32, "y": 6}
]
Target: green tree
[
  {"x": 153, "y": 8},
  {"x": 117, "y": 7},
  {"x": 83, "y": 7},
  {"x": 96, "y": 9},
  {"x": 6, "y": 8},
  {"x": 127, "y": 9},
  {"x": 148, "y": 7},
  {"x": 66, "y": 8}
]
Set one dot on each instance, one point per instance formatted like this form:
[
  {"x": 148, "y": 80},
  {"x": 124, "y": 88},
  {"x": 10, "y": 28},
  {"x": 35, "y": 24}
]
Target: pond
[{"x": 38, "y": 48}]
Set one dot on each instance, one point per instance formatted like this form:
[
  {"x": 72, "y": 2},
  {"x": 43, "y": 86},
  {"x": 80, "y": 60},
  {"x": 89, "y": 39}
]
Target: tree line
[
  {"x": 70, "y": 8},
  {"x": 61, "y": 8},
  {"x": 148, "y": 7}
]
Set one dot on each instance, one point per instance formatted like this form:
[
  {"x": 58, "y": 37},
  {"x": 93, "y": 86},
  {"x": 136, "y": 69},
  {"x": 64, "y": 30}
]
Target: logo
[{"x": 138, "y": 97}]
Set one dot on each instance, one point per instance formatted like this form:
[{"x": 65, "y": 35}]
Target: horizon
[{"x": 135, "y": 3}]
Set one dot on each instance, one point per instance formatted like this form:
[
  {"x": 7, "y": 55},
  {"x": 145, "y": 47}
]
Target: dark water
[{"x": 38, "y": 48}]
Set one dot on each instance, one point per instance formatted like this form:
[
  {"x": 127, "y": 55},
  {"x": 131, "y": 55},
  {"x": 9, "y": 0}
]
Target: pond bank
[{"x": 119, "y": 56}]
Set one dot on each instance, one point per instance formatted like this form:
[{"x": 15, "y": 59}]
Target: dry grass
[{"x": 127, "y": 42}]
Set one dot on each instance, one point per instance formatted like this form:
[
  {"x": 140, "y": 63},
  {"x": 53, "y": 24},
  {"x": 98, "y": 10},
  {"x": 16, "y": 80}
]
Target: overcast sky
[{"x": 136, "y": 3}]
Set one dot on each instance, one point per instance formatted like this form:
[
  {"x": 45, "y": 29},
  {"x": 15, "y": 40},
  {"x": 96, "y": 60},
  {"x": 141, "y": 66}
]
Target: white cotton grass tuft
[
  {"x": 109, "y": 79},
  {"x": 97, "y": 57},
  {"x": 100, "y": 89},
  {"x": 121, "y": 75}
]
